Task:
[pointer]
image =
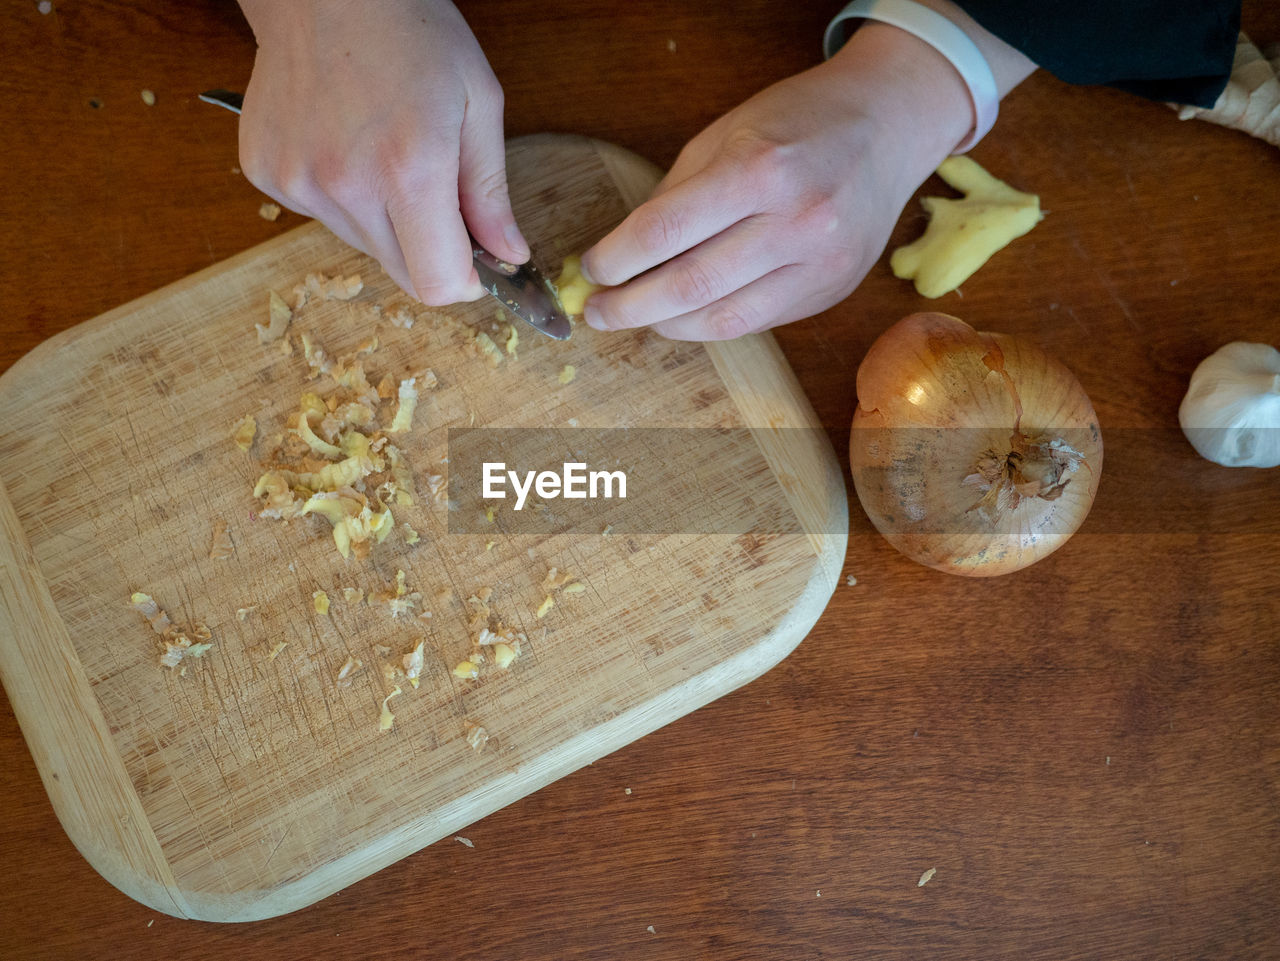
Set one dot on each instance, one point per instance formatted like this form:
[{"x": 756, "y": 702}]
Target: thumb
[{"x": 482, "y": 184}]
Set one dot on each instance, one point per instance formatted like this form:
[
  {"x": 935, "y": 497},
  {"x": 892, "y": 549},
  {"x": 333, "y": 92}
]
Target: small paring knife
[{"x": 520, "y": 289}]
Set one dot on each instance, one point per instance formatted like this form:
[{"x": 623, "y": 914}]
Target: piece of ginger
[
  {"x": 572, "y": 288},
  {"x": 963, "y": 234}
]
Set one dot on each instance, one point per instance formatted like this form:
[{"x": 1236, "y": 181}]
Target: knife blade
[
  {"x": 524, "y": 291},
  {"x": 521, "y": 289}
]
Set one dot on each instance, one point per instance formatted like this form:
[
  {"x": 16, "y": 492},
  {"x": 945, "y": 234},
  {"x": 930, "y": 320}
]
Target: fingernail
[
  {"x": 516, "y": 240},
  {"x": 586, "y": 274},
  {"x": 593, "y": 318}
]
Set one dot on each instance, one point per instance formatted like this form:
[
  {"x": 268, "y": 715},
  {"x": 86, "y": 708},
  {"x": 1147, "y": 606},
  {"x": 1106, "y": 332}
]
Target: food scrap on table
[
  {"x": 963, "y": 234},
  {"x": 413, "y": 664},
  {"x": 407, "y": 396},
  {"x": 567, "y": 374},
  {"x": 387, "y": 720},
  {"x": 279, "y": 315},
  {"x": 269, "y": 211},
  {"x": 220, "y": 546},
  {"x": 493, "y": 643},
  {"x": 326, "y": 288},
  {"x": 335, "y": 462},
  {"x": 245, "y": 431},
  {"x": 320, "y": 601},
  {"x": 397, "y": 597},
  {"x": 178, "y": 643},
  {"x": 475, "y": 735},
  {"x": 348, "y": 670},
  {"x": 149, "y": 98},
  {"x": 401, "y": 318},
  {"x": 486, "y": 348}
]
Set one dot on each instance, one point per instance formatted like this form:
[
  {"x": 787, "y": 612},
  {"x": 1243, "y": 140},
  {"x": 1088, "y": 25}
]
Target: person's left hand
[{"x": 779, "y": 208}]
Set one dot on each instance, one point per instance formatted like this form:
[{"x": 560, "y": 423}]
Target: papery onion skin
[{"x": 973, "y": 453}]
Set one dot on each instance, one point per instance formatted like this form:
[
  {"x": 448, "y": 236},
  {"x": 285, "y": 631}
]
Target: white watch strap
[{"x": 941, "y": 34}]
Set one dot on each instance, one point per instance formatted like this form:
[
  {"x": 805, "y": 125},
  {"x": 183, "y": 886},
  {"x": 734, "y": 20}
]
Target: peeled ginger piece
[
  {"x": 572, "y": 288},
  {"x": 963, "y": 234}
]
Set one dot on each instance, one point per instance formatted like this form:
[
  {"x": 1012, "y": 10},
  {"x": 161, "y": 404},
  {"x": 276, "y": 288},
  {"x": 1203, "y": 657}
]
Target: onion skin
[{"x": 973, "y": 453}]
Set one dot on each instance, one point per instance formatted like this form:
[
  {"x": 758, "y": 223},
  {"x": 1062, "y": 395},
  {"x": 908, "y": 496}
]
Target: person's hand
[
  {"x": 383, "y": 121},
  {"x": 779, "y": 208}
]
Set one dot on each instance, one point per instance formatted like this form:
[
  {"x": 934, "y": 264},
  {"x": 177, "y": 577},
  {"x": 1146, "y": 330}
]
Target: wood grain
[
  {"x": 1088, "y": 751},
  {"x": 256, "y": 784}
]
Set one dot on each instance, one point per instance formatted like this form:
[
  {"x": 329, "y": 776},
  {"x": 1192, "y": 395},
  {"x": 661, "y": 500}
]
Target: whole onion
[{"x": 973, "y": 453}]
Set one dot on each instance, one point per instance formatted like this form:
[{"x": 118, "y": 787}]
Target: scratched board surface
[{"x": 256, "y": 779}]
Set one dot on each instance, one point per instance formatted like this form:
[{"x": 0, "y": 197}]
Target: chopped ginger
[
  {"x": 387, "y": 720},
  {"x": 221, "y": 546},
  {"x": 413, "y": 663},
  {"x": 245, "y": 431},
  {"x": 486, "y": 348},
  {"x": 408, "y": 397},
  {"x": 567, "y": 374},
  {"x": 352, "y": 665},
  {"x": 475, "y": 735},
  {"x": 503, "y": 655},
  {"x": 278, "y": 317},
  {"x": 321, "y": 602},
  {"x": 177, "y": 643},
  {"x": 547, "y": 603}
]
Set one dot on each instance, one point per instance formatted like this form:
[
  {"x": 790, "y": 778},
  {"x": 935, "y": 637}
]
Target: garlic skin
[{"x": 1231, "y": 414}]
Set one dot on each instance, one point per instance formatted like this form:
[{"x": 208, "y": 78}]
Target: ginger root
[
  {"x": 572, "y": 288},
  {"x": 963, "y": 234},
  {"x": 1251, "y": 100}
]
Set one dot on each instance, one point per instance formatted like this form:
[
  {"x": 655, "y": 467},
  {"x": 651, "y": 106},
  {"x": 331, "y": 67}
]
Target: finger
[
  {"x": 482, "y": 183},
  {"x": 777, "y": 298},
  {"x": 374, "y": 236},
  {"x": 700, "y": 207},
  {"x": 697, "y": 278},
  {"x": 428, "y": 226},
  {"x": 379, "y": 241}
]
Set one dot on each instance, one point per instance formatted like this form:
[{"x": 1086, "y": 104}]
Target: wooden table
[{"x": 1088, "y": 752}]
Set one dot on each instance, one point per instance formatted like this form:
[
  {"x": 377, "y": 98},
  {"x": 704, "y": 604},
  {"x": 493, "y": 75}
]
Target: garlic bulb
[{"x": 1231, "y": 413}]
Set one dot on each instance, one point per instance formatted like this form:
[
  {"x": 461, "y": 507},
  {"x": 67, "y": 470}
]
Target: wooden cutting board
[{"x": 253, "y": 785}]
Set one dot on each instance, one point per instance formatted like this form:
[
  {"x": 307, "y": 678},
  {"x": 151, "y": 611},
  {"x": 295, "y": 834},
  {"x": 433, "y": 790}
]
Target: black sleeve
[{"x": 1177, "y": 50}]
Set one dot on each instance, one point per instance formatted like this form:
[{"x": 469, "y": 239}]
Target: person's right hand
[{"x": 383, "y": 121}]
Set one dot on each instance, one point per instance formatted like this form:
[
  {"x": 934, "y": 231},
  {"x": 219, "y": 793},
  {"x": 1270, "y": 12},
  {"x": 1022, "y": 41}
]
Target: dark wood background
[{"x": 1088, "y": 752}]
